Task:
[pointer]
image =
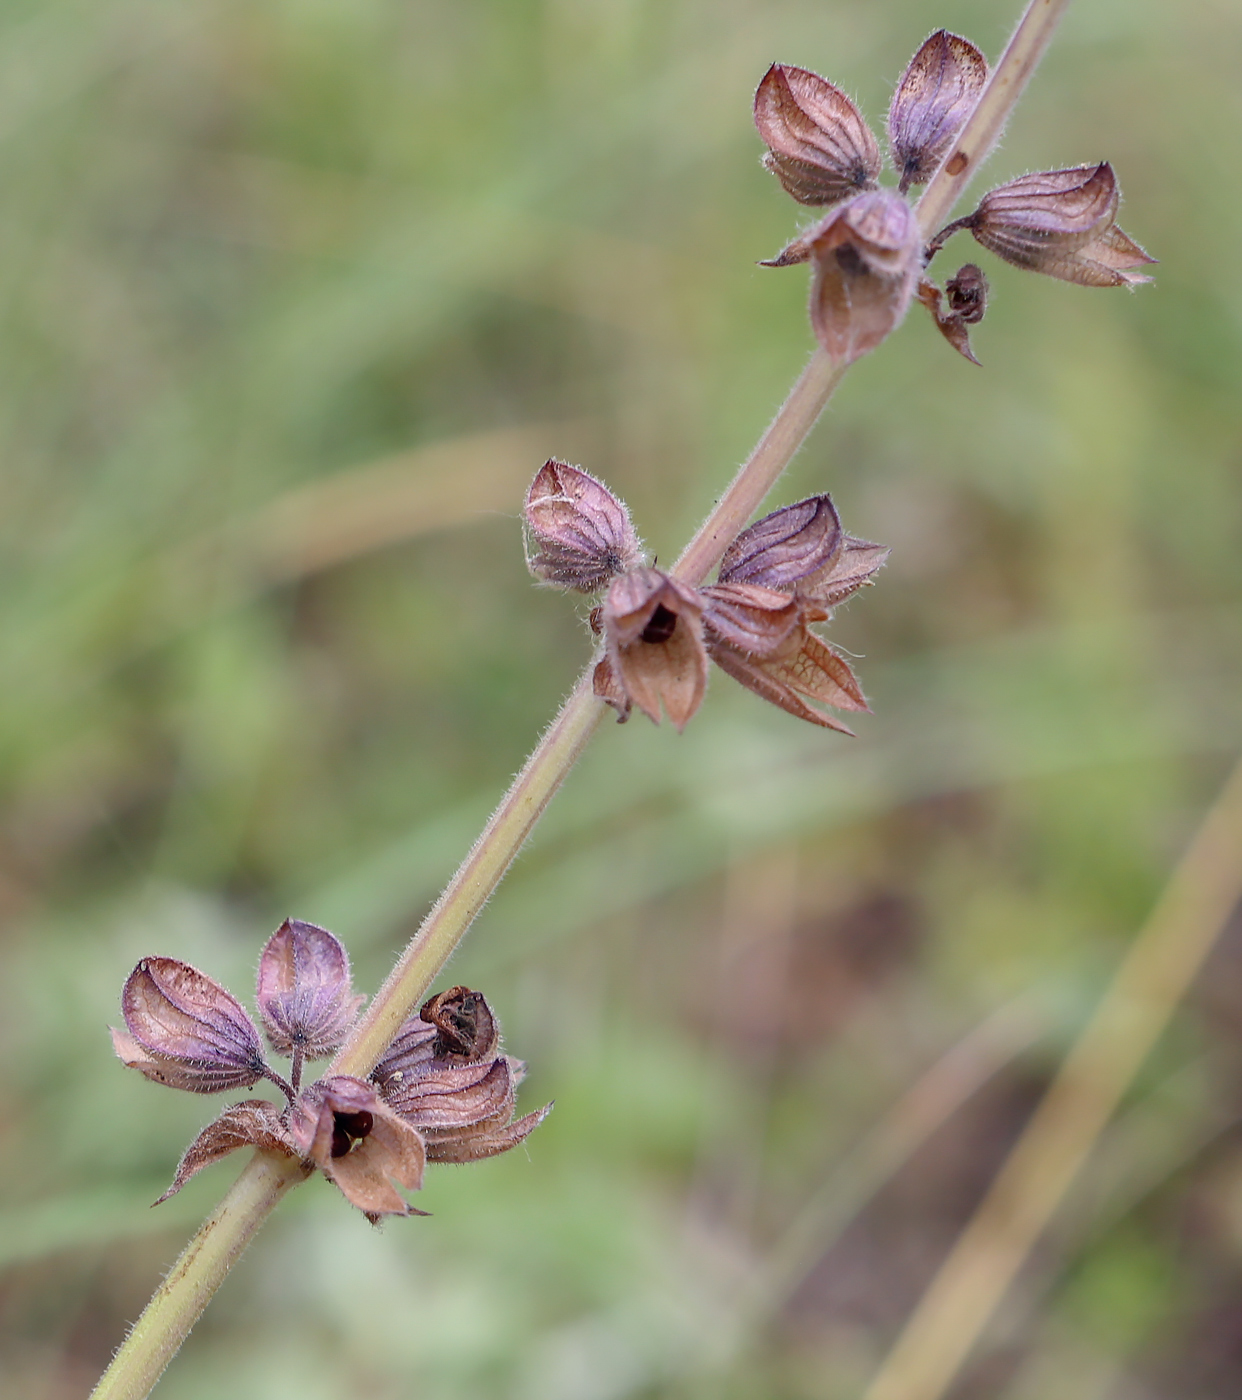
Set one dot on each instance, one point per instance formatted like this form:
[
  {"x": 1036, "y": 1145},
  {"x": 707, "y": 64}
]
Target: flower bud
[
  {"x": 1060, "y": 223},
  {"x": 819, "y": 147},
  {"x": 581, "y": 534},
  {"x": 304, "y": 994},
  {"x": 933, "y": 99},
  {"x": 786, "y": 547},
  {"x": 195, "y": 1035},
  {"x": 868, "y": 258}
]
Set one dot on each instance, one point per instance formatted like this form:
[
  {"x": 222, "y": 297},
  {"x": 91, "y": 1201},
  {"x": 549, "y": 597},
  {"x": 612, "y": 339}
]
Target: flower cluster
[
  {"x": 776, "y": 579},
  {"x": 867, "y": 252},
  {"x": 442, "y": 1093}
]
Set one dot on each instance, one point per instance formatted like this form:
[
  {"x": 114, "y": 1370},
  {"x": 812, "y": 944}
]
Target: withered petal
[
  {"x": 175, "y": 1012},
  {"x": 1060, "y": 223},
  {"x": 608, "y": 688},
  {"x": 755, "y": 620},
  {"x": 807, "y": 668},
  {"x": 785, "y": 547},
  {"x": 820, "y": 148},
  {"x": 349, "y": 1132},
  {"x": 194, "y": 1076},
  {"x": 936, "y": 94},
  {"x": 852, "y": 569},
  {"x": 867, "y": 259},
  {"x": 454, "y": 1097},
  {"x": 304, "y": 995},
  {"x": 252, "y": 1123},
  {"x": 466, "y": 1029},
  {"x": 581, "y": 532},
  {"x": 473, "y": 1146},
  {"x": 672, "y": 673}
]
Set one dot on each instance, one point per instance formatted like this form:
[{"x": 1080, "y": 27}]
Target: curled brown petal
[
  {"x": 304, "y": 994},
  {"x": 252, "y": 1123},
  {"x": 454, "y": 1096},
  {"x": 579, "y": 534},
  {"x": 465, "y": 1027},
  {"x": 936, "y": 94},
  {"x": 180, "y": 1015},
  {"x": 819, "y": 147}
]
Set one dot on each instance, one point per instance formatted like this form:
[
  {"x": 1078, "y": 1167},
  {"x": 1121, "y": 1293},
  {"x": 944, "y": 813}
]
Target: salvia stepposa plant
[{"x": 409, "y": 1087}]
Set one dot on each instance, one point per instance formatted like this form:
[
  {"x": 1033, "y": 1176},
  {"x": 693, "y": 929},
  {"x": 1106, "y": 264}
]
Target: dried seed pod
[
  {"x": 936, "y": 94},
  {"x": 1060, "y": 223},
  {"x": 653, "y": 625},
  {"x": 252, "y": 1123},
  {"x": 304, "y": 994},
  {"x": 345, "y": 1129},
  {"x": 787, "y": 547},
  {"x": 579, "y": 534},
  {"x": 819, "y": 147},
  {"x": 868, "y": 259},
  {"x": 186, "y": 1031}
]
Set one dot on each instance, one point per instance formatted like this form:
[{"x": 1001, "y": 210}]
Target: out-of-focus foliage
[{"x": 296, "y": 298}]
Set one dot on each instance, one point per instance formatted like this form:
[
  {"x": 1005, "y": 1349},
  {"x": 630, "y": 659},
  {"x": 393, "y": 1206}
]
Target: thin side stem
[
  {"x": 1134, "y": 1012},
  {"x": 177, "y": 1304},
  {"x": 154, "y": 1339}
]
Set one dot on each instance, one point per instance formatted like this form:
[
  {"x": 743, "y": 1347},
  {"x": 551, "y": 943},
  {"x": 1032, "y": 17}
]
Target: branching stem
[{"x": 184, "y": 1294}]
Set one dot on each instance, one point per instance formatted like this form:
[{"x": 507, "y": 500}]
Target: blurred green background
[{"x": 296, "y": 298}]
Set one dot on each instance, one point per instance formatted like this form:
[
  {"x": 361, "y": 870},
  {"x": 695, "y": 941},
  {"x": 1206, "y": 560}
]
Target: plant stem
[
  {"x": 179, "y": 1301},
  {"x": 987, "y": 120},
  {"x": 1136, "y": 1008}
]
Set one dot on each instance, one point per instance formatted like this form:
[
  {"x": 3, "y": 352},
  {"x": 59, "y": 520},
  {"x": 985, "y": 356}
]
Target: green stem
[
  {"x": 154, "y": 1339},
  {"x": 181, "y": 1298}
]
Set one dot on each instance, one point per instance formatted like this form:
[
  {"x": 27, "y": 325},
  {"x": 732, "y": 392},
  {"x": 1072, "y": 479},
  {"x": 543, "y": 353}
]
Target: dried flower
[
  {"x": 1060, "y": 223},
  {"x": 966, "y": 298},
  {"x": 865, "y": 252},
  {"x": 581, "y": 534},
  {"x": 304, "y": 994},
  {"x": 867, "y": 256},
  {"x": 936, "y": 94},
  {"x": 342, "y": 1126},
  {"x": 443, "y": 1092},
  {"x": 186, "y": 1031},
  {"x": 443, "y": 1074},
  {"x": 777, "y": 578},
  {"x": 653, "y": 628},
  {"x": 819, "y": 147}
]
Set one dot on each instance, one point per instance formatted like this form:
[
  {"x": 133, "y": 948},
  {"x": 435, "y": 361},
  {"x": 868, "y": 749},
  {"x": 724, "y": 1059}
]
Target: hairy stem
[
  {"x": 180, "y": 1300},
  {"x": 1134, "y": 1012}
]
